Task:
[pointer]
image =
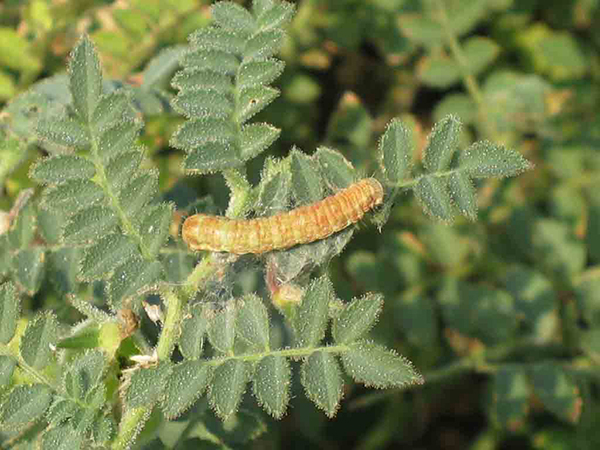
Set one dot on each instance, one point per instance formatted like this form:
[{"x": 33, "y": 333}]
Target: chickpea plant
[{"x": 100, "y": 234}]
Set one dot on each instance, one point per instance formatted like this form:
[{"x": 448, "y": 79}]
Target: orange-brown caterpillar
[{"x": 299, "y": 226}]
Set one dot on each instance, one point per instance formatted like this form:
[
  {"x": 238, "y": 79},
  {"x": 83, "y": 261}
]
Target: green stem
[
  {"x": 202, "y": 272},
  {"x": 171, "y": 327},
  {"x": 469, "y": 80},
  {"x": 410, "y": 183},
  {"x": 130, "y": 427},
  {"x": 134, "y": 419}
]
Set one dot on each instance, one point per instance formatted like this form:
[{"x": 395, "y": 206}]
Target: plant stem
[
  {"x": 134, "y": 419},
  {"x": 469, "y": 80},
  {"x": 131, "y": 424},
  {"x": 202, "y": 272},
  {"x": 171, "y": 326}
]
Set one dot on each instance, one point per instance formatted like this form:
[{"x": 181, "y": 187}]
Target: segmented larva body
[{"x": 299, "y": 226}]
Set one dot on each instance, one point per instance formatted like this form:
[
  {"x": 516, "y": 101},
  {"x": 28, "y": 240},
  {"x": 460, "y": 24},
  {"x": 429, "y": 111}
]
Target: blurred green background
[{"x": 502, "y": 316}]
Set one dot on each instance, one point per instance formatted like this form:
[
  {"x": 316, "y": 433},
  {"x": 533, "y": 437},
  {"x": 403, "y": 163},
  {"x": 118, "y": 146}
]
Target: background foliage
[{"x": 501, "y": 316}]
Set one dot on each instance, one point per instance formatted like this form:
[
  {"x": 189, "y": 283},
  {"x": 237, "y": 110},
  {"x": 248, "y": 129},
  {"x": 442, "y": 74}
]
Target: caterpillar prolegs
[{"x": 301, "y": 225}]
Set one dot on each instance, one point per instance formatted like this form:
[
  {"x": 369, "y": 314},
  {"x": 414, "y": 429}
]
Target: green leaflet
[
  {"x": 442, "y": 144},
  {"x": 478, "y": 311},
  {"x": 274, "y": 189},
  {"x": 271, "y": 384},
  {"x": 196, "y": 79},
  {"x": 211, "y": 61},
  {"x": 62, "y": 168},
  {"x": 252, "y": 323},
  {"x": 272, "y": 14},
  {"x": 485, "y": 159},
  {"x": 22, "y": 230},
  {"x": 227, "y": 387},
  {"x": 101, "y": 258},
  {"x": 147, "y": 385},
  {"x": 193, "y": 329},
  {"x": 154, "y": 227},
  {"x": 511, "y": 392},
  {"x": 28, "y": 266},
  {"x": 357, "y": 318},
  {"x": 134, "y": 277},
  {"x": 61, "y": 437},
  {"x": 118, "y": 139},
  {"x": 89, "y": 224},
  {"x": 256, "y": 138},
  {"x": 256, "y": 73},
  {"x": 7, "y": 368},
  {"x": 64, "y": 132},
  {"x": 121, "y": 167},
  {"x": 139, "y": 192},
  {"x": 435, "y": 198},
  {"x": 63, "y": 268},
  {"x": 312, "y": 314},
  {"x": 335, "y": 169},
  {"x": 72, "y": 196},
  {"x": 306, "y": 183},
  {"x": 40, "y": 335},
  {"x": 204, "y": 103},
  {"x": 199, "y": 132},
  {"x": 24, "y": 405},
  {"x": 213, "y": 38},
  {"x": 556, "y": 390},
  {"x": 322, "y": 381},
  {"x": 185, "y": 385},
  {"x": 160, "y": 69},
  {"x": 50, "y": 224},
  {"x": 263, "y": 45},
  {"x": 395, "y": 150},
  {"x": 221, "y": 328},
  {"x": 113, "y": 108},
  {"x": 211, "y": 157},
  {"x": 463, "y": 193},
  {"x": 85, "y": 79},
  {"x": 9, "y": 312},
  {"x": 252, "y": 100},
  {"x": 376, "y": 366},
  {"x": 84, "y": 374},
  {"x": 233, "y": 18}
]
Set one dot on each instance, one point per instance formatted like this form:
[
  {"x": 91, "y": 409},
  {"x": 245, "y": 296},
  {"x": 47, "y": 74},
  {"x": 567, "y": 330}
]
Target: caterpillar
[{"x": 301, "y": 225}]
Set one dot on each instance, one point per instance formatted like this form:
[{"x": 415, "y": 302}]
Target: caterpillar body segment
[{"x": 301, "y": 225}]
